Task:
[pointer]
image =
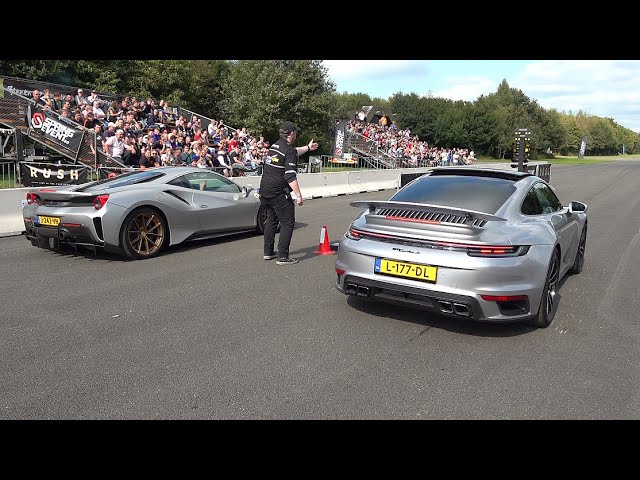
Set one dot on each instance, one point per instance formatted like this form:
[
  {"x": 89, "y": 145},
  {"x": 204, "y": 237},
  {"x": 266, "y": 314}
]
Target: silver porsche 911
[
  {"x": 141, "y": 212},
  {"x": 482, "y": 244}
]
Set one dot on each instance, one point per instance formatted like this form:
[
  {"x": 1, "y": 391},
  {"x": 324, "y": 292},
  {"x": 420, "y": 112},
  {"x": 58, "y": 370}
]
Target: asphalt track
[{"x": 212, "y": 331}]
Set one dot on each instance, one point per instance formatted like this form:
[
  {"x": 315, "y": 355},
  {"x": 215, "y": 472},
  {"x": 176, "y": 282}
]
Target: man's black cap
[{"x": 288, "y": 127}]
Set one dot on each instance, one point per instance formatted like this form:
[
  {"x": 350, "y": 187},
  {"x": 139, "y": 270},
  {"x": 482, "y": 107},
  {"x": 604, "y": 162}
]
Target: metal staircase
[
  {"x": 13, "y": 114},
  {"x": 368, "y": 151}
]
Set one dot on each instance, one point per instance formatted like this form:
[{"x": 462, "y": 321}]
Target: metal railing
[
  {"x": 204, "y": 121},
  {"x": 8, "y": 174},
  {"x": 13, "y": 112},
  {"x": 367, "y": 148}
]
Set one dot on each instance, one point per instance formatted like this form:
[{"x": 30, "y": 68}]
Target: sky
[{"x": 605, "y": 88}]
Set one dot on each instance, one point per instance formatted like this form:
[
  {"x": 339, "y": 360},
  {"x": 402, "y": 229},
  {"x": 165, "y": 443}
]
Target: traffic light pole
[{"x": 521, "y": 149}]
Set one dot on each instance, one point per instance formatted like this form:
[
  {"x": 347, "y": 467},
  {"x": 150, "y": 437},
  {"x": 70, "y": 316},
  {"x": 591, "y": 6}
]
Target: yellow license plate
[
  {"x": 414, "y": 271},
  {"x": 52, "y": 221}
]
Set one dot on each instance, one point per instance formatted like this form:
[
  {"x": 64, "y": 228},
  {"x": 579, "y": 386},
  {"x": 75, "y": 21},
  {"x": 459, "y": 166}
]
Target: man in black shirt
[
  {"x": 277, "y": 182},
  {"x": 37, "y": 97}
]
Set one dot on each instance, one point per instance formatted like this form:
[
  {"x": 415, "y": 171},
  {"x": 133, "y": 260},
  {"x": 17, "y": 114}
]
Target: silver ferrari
[
  {"x": 482, "y": 244},
  {"x": 141, "y": 212}
]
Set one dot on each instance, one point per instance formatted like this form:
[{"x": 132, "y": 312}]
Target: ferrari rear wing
[{"x": 58, "y": 194}]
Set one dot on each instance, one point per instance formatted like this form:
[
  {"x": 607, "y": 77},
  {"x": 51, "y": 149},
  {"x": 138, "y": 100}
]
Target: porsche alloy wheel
[
  {"x": 578, "y": 263},
  {"x": 143, "y": 233}
]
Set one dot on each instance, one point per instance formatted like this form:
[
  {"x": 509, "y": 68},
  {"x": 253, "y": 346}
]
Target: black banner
[
  {"x": 21, "y": 86},
  {"x": 338, "y": 150},
  {"x": 55, "y": 128},
  {"x": 41, "y": 174}
]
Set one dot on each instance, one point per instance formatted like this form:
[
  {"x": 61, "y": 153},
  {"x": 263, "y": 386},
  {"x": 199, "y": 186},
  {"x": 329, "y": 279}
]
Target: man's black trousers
[{"x": 279, "y": 209}]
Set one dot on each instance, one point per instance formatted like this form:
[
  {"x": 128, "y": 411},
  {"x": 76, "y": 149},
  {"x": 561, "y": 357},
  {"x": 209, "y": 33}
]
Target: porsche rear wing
[{"x": 420, "y": 214}]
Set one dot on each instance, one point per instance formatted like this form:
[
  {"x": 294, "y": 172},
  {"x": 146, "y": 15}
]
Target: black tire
[
  {"x": 578, "y": 263},
  {"x": 548, "y": 304},
  {"x": 262, "y": 220},
  {"x": 143, "y": 233}
]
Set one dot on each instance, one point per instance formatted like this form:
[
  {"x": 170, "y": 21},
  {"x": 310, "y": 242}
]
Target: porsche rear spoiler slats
[{"x": 469, "y": 215}]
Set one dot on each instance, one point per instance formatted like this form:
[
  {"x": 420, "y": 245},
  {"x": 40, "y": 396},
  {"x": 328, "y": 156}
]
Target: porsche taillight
[
  {"x": 497, "y": 251},
  {"x": 353, "y": 234},
  {"x": 100, "y": 201},
  {"x": 505, "y": 298}
]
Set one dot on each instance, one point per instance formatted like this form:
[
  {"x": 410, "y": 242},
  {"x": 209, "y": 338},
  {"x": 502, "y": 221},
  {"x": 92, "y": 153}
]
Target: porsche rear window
[
  {"x": 122, "y": 180},
  {"x": 482, "y": 194}
]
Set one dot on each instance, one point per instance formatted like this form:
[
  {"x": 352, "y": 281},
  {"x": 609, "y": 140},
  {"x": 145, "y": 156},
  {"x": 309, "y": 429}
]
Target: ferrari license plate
[
  {"x": 414, "y": 271},
  {"x": 49, "y": 221}
]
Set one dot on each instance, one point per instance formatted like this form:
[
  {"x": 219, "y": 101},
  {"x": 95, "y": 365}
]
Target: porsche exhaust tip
[{"x": 358, "y": 290}]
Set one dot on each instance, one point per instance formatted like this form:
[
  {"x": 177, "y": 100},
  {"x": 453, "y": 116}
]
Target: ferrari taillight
[
  {"x": 33, "y": 198},
  {"x": 100, "y": 201}
]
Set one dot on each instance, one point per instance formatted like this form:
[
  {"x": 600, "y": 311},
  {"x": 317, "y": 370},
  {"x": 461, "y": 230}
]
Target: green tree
[
  {"x": 348, "y": 104},
  {"x": 573, "y": 135},
  {"x": 261, "y": 94},
  {"x": 482, "y": 125}
]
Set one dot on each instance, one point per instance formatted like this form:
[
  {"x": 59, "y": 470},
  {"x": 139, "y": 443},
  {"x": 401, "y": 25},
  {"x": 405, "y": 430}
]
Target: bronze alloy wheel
[{"x": 145, "y": 232}]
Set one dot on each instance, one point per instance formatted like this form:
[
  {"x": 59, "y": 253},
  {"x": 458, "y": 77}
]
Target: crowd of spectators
[
  {"x": 407, "y": 150},
  {"x": 142, "y": 134}
]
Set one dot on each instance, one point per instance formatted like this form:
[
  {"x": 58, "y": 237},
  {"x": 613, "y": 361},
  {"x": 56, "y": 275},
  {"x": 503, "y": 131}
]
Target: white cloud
[
  {"x": 466, "y": 88},
  {"x": 341, "y": 70},
  {"x": 605, "y": 88}
]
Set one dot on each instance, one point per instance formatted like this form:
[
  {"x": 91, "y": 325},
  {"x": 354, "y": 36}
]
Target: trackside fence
[{"x": 8, "y": 174}]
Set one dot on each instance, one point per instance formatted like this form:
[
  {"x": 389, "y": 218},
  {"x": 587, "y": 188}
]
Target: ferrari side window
[
  {"x": 210, "y": 182},
  {"x": 180, "y": 182},
  {"x": 531, "y": 204}
]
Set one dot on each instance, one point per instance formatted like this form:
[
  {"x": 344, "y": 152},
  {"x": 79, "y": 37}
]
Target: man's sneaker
[
  {"x": 286, "y": 261},
  {"x": 270, "y": 257}
]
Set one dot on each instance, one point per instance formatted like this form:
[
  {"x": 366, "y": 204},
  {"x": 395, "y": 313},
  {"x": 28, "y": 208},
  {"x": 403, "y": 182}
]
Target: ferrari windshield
[{"x": 122, "y": 180}]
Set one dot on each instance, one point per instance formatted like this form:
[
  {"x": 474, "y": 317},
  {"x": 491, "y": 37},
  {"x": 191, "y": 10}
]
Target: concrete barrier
[
  {"x": 331, "y": 184},
  {"x": 11, "y": 211},
  {"x": 373, "y": 180},
  {"x": 312, "y": 185}
]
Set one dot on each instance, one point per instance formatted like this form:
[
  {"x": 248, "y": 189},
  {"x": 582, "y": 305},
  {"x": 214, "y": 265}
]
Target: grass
[
  {"x": 568, "y": 160},
  {"x": 7, "y": 181}
]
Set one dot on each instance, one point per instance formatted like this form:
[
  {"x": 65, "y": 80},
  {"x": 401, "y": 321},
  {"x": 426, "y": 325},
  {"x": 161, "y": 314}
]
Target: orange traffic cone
[{"x": 324, "y": 248}]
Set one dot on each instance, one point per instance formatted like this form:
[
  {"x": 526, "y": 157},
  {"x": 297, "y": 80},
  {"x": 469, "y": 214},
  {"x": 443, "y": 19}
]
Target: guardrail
[{"x": 313, "y": 185}]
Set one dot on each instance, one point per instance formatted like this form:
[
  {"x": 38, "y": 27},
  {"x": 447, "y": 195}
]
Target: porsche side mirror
[{"x": 576, "y": 206}]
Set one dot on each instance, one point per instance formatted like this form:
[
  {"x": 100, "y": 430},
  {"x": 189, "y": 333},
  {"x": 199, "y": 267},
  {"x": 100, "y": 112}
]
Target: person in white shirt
[
  {"x": 115, "y": 145},
  {"x": 98, "y": 112}
]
